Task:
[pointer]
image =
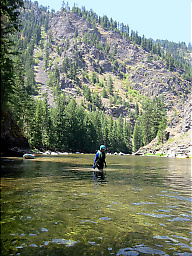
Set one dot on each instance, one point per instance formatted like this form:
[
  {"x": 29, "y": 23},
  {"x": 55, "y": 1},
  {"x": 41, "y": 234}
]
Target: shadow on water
[
  {"x": 42, "y": 167},
  {"x": 22, "y": 168},
  {"x": 139, "y": 171}
]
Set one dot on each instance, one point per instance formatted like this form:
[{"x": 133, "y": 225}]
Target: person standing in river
[{"x": 100, "y": 161}]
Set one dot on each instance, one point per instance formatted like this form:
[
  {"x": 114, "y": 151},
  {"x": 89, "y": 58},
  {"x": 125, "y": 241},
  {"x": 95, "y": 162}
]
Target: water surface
[{"x": 53, "y": 206}]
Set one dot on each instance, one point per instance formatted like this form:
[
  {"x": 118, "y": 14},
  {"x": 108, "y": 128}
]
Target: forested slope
[{"x": 84, "y": 80}]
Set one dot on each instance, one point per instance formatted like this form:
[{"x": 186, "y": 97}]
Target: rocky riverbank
[{"x": 178, "y": 145}]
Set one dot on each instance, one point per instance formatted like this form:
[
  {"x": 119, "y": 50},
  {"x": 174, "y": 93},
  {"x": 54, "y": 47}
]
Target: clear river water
[{"x": 52, "y": 205}]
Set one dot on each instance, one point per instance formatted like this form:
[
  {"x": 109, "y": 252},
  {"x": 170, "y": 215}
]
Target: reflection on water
[{"x": 55, "y": 206}]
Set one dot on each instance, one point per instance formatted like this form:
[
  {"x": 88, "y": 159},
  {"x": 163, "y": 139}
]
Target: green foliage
[
  {"x": 161, "y": 131},
  {"x": 9, "y": 25},
  {"x": 94, "y": 78},
  {"x": 69, "y": 68},
  {"x": 148, "y": 58},
  {"x": 69, "y": 126},
  {"x": 104, "y": 93},
  {"x": 152, "y": 121},
  {"x": 110, "y": 85},
  {"x": 180, "y": 55},
  {"x": 137, "y": 143},
  {"x": 46, "y": 57}
]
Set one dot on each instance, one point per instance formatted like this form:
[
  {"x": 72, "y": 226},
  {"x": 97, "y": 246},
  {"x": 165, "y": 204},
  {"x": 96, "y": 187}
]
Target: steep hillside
[
  {"x": 134, "y": 71},
  {"x": 104, "y": 67}
]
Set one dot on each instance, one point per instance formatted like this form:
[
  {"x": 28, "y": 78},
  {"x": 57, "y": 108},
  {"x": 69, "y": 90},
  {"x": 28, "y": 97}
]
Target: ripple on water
[
  {"x": 175, "y": 241},
  {"x": 182, "y": 198},
  {"x": 89, "y": 221},
  {"x": 181, "y": 237},
  {"x": 105, "y": 218},
  {"x": 178, "y": 219},
  {"x": 159, "y": 216},
  {"x": 140, "y": 203},
  {"x": 67, "y": 243},
  {"x": 33, "y": 245},
  {"x": 184, "y": 254},
  {"x": 20, "y": 247},
  {"x": 166, "y": 238},
  {"x": 44, "y": 230},
  {"x": 92, "y": 243},
  {"x": 136, "y": 250}
]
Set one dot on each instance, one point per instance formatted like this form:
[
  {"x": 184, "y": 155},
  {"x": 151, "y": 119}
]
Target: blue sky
[{"x": 165, "y": 19}]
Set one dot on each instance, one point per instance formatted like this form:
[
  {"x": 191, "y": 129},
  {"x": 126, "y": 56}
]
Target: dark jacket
[{"x": 99, "y": 160}]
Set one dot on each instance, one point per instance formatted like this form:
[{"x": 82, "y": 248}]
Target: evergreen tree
[
  {"x": 46, "y": 57},
  {"x": 136, "y": 138},
  {"x": 104, "y": 129},
  {"x": 60, "y": 124},
  {"x": 110, "y": 85},
  {"x": 56, "y": 78},
  {"x": 90, "y": 139},
  {"x": 119, "y": 134},
  {"x": 36, "y": 138},
  {"x": 19, "y": 97},
  {"x": 9, "y": 25},
  {"x": 147, "y": 121},
  {"x": 136, "y": 110},
  {"x": 104, "y": 93},
  {"x": 161, "y": 131},
  {"x": 71, "y": 111},
  {"x": 110, "y": 134},
  {"x": 127, "y": 138},
  {"x": 87, "y": 93},
  {"x": 97, "y": 122},
  {"x": 46, "y": 125},
  {"x": 114, "y": 136},
  {"x": 80, "y": 132}
]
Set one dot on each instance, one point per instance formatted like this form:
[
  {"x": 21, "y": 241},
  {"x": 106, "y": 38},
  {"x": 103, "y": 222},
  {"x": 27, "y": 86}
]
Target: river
[{"x": 54, "y": 206}]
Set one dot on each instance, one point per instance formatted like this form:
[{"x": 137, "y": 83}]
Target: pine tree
[
  {"x": 136, "y": 110},
  {"x": 104, "y": 129},
  {"x": 136, "y": 138},
  {"x": 127, "y": 138},
  {"x": 36, "y": 138},
  {"x": 9, "y": 25},
  {"x": 110, "y": 134},
  {"x": 161, "y": 131},
  {"x": 46, "y": 57},
  {"x": 146, "y": 121},
  {"x": 114, "y": 138},
  {"x": 171, "y": 63},
  {"x": 90, "y": 139},
  {"x": 104, "y": 93},
  {"x": 80, "y": 132},
  {"x": 46, "y": 125},
  {"x": 71, "y": 112},
  {"x": 60, "y": 124},
  {"x": 110, "y": 85},
  {"x": 119, "y": 133}
]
